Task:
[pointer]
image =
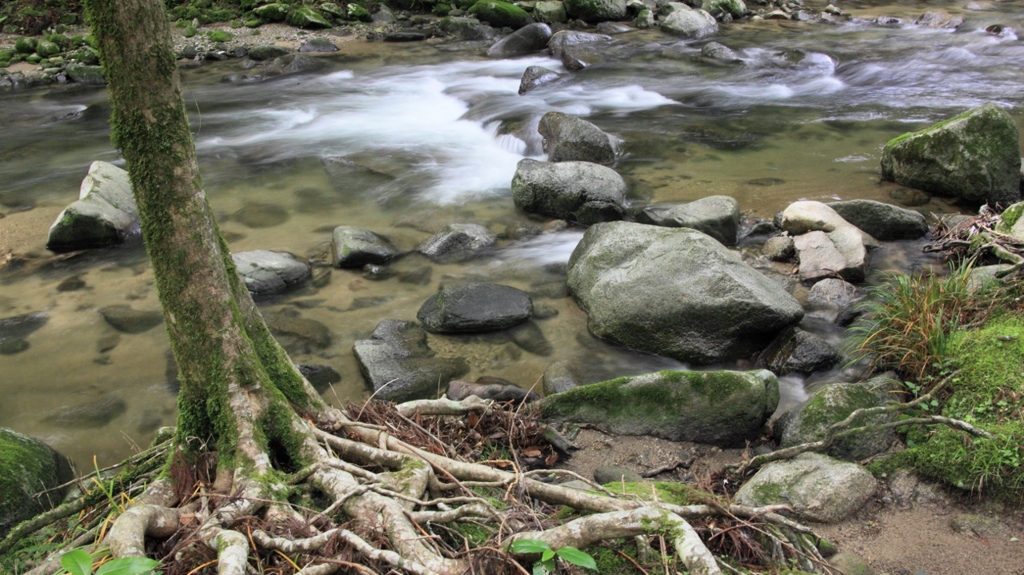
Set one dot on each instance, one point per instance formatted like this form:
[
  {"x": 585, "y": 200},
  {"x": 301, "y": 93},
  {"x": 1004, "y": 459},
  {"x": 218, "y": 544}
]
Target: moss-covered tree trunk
[{"x": 236, "y": 382}]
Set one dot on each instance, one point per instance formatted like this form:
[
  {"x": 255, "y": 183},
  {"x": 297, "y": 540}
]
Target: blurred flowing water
[{"x": 403, "y": 140}]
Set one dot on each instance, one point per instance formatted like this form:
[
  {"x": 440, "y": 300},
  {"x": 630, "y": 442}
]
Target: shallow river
[{"x": 403, "y": 140}]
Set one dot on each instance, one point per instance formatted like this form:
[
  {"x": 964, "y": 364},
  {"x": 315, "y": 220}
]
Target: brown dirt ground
[{"x": 902, "y": 531}]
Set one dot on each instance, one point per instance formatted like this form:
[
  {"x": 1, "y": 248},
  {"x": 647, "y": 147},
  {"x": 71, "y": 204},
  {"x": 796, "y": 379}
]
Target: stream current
[{"x": 403, "y": 140}]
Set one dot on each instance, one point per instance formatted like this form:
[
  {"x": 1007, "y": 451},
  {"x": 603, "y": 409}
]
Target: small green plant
[
  {"x": 79, "y": 562},
  {"x": 546, "y": 564}
]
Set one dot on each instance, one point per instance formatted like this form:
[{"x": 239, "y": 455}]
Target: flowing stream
[{"x": 403, "y": 140}]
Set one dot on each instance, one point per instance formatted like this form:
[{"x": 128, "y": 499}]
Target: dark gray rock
[
  {"x": 596, "y": 10},
  {"x": 104, "y": 215},
  {"x": 569, "y": 139},
  {"x": 660, "y": 290},
  {"x": 529, "y": 38},
  {"x": 580, "y": 192},
  {"x": 398, "y": 365},
  {"x": 318, "y": 45},
  {"x": 28, "y": 467},
  {"x": 536, "y": 76},
  {"x": 457, "y": 243},
  {"x": 408, "y": 36},
  {"x": 723, "y": 408},
  {"x": 883, "y": 221},
  {"x": 716, "y": 216},
  {"x": 353, "y": 247},
  {"x": 125, "y": 319},
  {"x": 797, "y": 351},
  {"x": 319, "y": 376},
  {"x": 565, "y": 44},
  {"x": 974, "y": 156},
  {"x": 14, "y": 330},
  {"x": 261, "y": 53},
  {"x": 268, "y": 273},
  {"x": 475, "y": 307}
]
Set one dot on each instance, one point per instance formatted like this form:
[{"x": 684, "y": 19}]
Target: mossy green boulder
[
  {"x": 47, "y": 49},
  {"x": 304, "y": 17},
  {"x": 500, "y": 14},
  {"x": 596, "y": 10},
  {"x": 275, "y": 12},
  {"x": 26, "y": 45},
  {"x": 718, "y": 8},
  {"x": 220, "y": 36},
  {"x": 87, "y": 75},
  {"x": 27, "y": 467},
  {"x": 723, "y": 408},
  {"x": 974, "y": 156}
]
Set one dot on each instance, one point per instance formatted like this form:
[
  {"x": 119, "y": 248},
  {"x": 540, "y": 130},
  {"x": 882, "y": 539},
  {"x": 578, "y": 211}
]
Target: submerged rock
[
  {"x": 716, "y": 216},
  {"x": 27, "y": 467},
  {"x": 717, "y": 407},
  {"x": 816, "y": 487},
  {"x": 125, "y": 319},
  {"x": 267, "y": 273},
  {"x": 568, "y": 138},
  {"x": 88, "y": 414},
  {"x": 675, "y": 292},
  {"x": 575, "y": 191},
  {"x": 104, "y": 215},
  {"x": 14, "y": 330},
  {"x": 974, "y": 156},
  {"x": 398, "y": 365},
  {"x": 477, "y": 307},
  {"x": 536, "y": 76},
  {"x": 297, "y": 334}
]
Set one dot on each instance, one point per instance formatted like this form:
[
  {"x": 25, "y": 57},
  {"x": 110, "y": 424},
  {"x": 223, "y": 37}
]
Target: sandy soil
[{"x": 907, "y": 529}]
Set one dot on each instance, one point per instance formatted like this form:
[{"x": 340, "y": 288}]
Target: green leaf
[
  {"x": 577, "y": 557},
  {"x": 529, "y": 546},
  {"x": 128, "y": 566},
  {"x": 547, "y": 556},
  {"x": 538, "y": 569},
  {"x": 77, "y": 562}
]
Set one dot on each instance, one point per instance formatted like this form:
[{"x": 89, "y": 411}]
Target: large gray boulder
[
  {"x": 717, "y": 407},
  {"x": 974, "y": 156},
  {"x": 596, "y": 10},
  {"x": 476, "y": 307},
  {"x": 353, "y": 247},
  {"x": 816, "y": 487},
  {"x": 580, "y": 192},
  {"x": 457, "y": 243},
  {"x": 568, "y": 138},
  {"x": 530, "y": 38},
  {"x": 675, "y": 292},
  {"x": 716, "y": 216},
  {"x": 28, "y": 467},
  {"x": 268, "y": 273},
  {"x": 833, "y": 403},
  {"x": 104, "y": 215},
  {"x": 549, "y": 12},
  {"x": 689, "y": 23},
  {"x": 883, "y": 221},
  {"x": 398, "y": 365}
]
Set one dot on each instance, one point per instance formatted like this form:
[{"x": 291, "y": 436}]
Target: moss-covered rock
[
  {"x": 305, "y": 17},
  {"x": 274, "y": 12},
  {"x": 500, "y": 14},
  {"x": 26, "y": 45},
  {"x": 87, "y": 75},
  {"x": 596, "y": 10},
  {"x": 719, "y": 8},
  {"x": 220, "y": 36},
  {"x": 716, "y": 407},
  {"x": 831, "y": 404},
  {"x": 47, "y": 49},
  {"x": 104, "y": 215},
  {"x": 974, "y": 156},
  {"x": 27, "y": 467}
]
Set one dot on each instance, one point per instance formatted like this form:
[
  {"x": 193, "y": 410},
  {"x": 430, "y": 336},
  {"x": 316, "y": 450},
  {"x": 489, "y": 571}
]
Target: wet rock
[
  {"x": 576, "y": 191},
  {"x": 88, "y": 414},
  {"x": 910, "y": 197},
  {"x": 596, "y": 10},
  {"x": 530, "y": 38},
  {"x": 457, "y": 243},
  {"x": 14, "y": 330},
  {"x": 660, "y": 290},
  {"x": 268, "y": 273},
  {"x": 644, "y": 19},
  {"x": 720, "y": 8},
  {"x": 816, "y": 487},
  {"x": 466, "y": 29},
  {"x": 888, "y": 21},
  {"x": 561, "y": 376},
  {"x": 611, "y": 474},
  {"x": 318, "y": 45},
  {"x": 568, "y": 138},
  {"x": 797, "y": 351},
  {"x": 353, "y": 247},
  {"x": 720, "y": 53},
  {"x": 477, "y": 307},
  {"x": 823, "y": 255},
  {"x": 85, "y": 75},
  {"x": 73, "y": 283},
  {"x": 420, "y": 276},
  {"x": 549, "y": 12},
  {"x": 883, "y": 221},
  {"x": 261, "y": 53},
  {"x": 974, "y": 156},
  {"x": 260, "y": 215},
  {"x": 107, "y": 342},
  {"x": 565, "y": 44},
  {"x": 297, "y": 334},
  {"x": 500, "y": 392},
  {"x": 689, "y": 23},
  {"x": 536, "y": 76},
  {"x": 779, "y": 248},
  {"x": 500, "y": 14},
  {"x": 529, "y": 337},
  {"x": 722, "y": 408},
  {"x": 319, "y": 376},
  {"x": 833, "y": 403},
  {"x": 368, "y": 302},
  {"x": 832, "y": 294},
  {"x": 716, "y": 216},
  {"x": 939, "y": 19},
  {"x": 378, "y": 273},
  {"x": 125, "y": 319},
  {"x": 27, "y": 467},
  {"x": 398, "y": 365},
  {"x": 13, "y": 346},
  {"x": 104, "y": 215},
  {"x": 405, "y": 36}
]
